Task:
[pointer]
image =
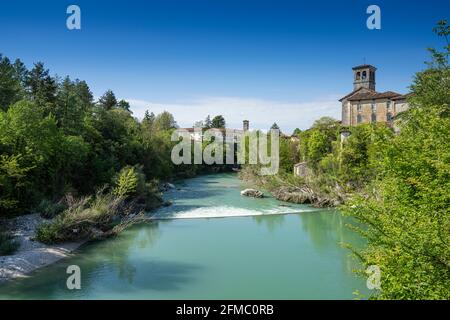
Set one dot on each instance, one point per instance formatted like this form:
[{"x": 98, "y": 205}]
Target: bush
[
  {"x": 130, "y": 182},
  {"x": 89, "y": 218},
  {"x": 131, "y": 186},
  {"x": 49, "y": 209},
  {"x": 7, "y": 244}
]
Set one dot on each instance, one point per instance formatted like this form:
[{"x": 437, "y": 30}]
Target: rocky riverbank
[
  {"x": 305, "y": 195},
  {"x": 309, "y": 190},
  {"x": 31, "y": 254}
]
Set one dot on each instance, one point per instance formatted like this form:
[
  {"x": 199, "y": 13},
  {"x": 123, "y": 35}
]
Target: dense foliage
[
  {"x": 406, "y": 207},
  {"x": 54, "y": 139},
  {"x": 396, "y": 184}
]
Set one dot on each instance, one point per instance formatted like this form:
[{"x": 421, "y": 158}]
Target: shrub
[
  {"x": 131, "y": 186},
  {"x": 89, "y": 218},
  {"x": 49, "y": 209},
  {"x": 130, "y": 182},
  {"x": 7, "y": 244}
]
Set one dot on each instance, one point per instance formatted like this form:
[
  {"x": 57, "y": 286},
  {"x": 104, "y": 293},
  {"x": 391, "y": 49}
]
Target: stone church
[{"x": 364, "y": 104}]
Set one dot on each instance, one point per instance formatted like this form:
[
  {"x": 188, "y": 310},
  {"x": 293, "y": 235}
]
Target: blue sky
[{"x": 284, "y": 61}]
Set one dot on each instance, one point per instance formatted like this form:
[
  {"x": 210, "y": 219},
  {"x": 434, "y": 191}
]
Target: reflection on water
[
  {"x": 294, "y": 256},
  {"x": 271, "y": 222}
]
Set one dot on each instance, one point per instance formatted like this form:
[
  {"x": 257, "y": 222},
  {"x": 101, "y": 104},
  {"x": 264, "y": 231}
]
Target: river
[{"x": 212, "y": 243}]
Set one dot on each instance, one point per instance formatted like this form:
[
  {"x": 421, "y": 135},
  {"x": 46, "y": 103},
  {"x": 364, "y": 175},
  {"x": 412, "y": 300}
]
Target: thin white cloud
[{"x": 261, "y": 113}]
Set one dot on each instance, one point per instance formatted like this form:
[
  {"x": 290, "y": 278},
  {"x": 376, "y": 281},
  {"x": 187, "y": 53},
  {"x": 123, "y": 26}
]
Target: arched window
[
  {"x": 358, "y": 118},
  {"x": 364, "y": 75},
  {"x": 374, "y": 117},
  {"x": 358, "y": 107},
  {"x": 358, "y": 75}
]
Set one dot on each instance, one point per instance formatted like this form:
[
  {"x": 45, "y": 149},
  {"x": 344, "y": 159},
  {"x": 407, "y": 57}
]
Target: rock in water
[
  {"x": 166, "y": 186},
  {"x": 252, "y": 193}
]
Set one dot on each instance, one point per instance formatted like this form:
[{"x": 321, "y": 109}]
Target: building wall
[
  {"x": 345, "y": 113},
  {"x": 400, "y": 106},
  {"x": 301, "y": 169},
  {"x": 350, "y": 111}
]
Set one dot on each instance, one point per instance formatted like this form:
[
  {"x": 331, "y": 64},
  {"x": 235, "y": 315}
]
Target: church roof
[
  {"x": 352, "y": 93},
  {"x": 369, "y": 94},
  {"x": 402, "y": 96},
  {"x": 373, "y": 95}
]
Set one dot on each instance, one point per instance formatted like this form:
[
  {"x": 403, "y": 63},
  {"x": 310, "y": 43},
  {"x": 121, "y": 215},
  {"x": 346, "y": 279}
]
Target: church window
[
  {"x": 388, "y": 105},
  {"x": 389, "y": 117},
  {"x": 374, "y": 107},
  {"x": 358, "y": 107},
  {"x": 359, "y": 118},
  {"x": 374, "y": 117},
  {"x": 364, "y": 75}
]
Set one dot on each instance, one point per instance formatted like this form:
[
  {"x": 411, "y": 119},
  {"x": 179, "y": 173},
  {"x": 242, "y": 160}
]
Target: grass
[
  {"x": 88, "y": 218},
  {"x": 7, "y": 244},
  {"x": 49, "y": 209}
]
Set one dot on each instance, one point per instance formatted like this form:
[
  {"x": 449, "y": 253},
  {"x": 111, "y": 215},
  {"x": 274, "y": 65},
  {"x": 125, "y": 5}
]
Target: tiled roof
[
  {"x": 403, "y": 96},
  {"x": 368, "y": 94},
  {"x": 373, "y": 95},
  {"x": 352, "y": 93}
]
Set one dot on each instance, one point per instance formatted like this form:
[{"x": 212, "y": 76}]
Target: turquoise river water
[{"x": 212, "y": 243}]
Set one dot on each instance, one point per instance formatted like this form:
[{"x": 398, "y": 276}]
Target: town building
[
  {"x": 365, "y": 105},
  {"x": 229, "y": 135}
]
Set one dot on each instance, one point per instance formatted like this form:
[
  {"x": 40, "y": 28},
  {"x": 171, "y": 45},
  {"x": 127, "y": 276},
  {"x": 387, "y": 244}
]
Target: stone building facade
[
  {"x": 365, "y": 105},
  {"x": 229, "y": 135}
]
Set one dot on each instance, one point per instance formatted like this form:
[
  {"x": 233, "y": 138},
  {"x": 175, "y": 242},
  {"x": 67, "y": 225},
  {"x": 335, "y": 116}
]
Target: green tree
[
  {"x": 84, "y": 94},
  {"x": 148, "y": 122},
  {"x": 218, "y": 122},
  {"x": 127, "y": 182},
  {"x": 71, "y": 107},
  {"x": 125, "y": 105},
  {"x": 406, "y": 208},
  {"x": 21, "y": 72},
  {"x": 32, "y": 140},
  {"x": 288, "y": 155},
  {"x": 165, "y": 121},
  {"x": 108, "y": 100},
  {"x": 10, "y": 85},
  {"x": 42, "y": 87},
  {"x": 54, "y": 139},
  {"x": 207, "y": 123},
  {"x": 296, "y": 132}
]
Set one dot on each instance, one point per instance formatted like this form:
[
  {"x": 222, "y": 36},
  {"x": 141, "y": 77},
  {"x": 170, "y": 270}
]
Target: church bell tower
[{"x": 364, "y": 77}]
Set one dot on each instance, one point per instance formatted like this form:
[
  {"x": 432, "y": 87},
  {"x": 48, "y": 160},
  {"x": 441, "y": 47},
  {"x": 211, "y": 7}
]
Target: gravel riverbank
[{"x": 31, "y": 254}]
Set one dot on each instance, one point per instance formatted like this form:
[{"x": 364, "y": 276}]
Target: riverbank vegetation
[
  {"x": 7, "y": 243},
  {"x": 92, "y": 168},
  {"x": 333, "y": 170},
  {"x": 63, "y": 154},
  {"x": 396, "y": 184},
  {"x": 56, "y": 142},
  {"x": 88, "y": 218},
  {"x": 406, "y": 207}
]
